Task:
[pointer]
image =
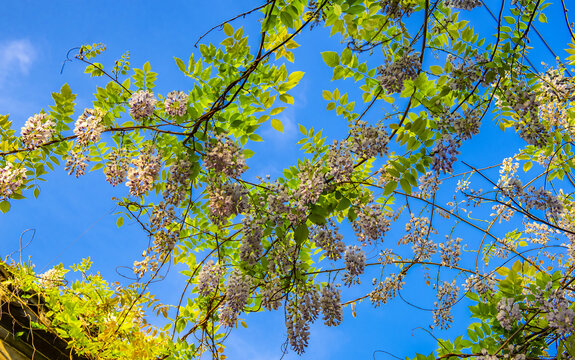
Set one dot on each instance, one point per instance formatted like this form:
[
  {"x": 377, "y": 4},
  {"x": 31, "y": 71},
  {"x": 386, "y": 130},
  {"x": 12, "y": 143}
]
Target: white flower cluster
[
  {"x": 354, "y": 259},
  {"x": 11, "y": 179},
  {"x": 142, "y": 104},
  {"x": 141, "y": 177},
  {"x": 368, "y": 141},
  {"x": 481, "y": 284},
  {"x": 392, "y": 75},
  {"x": 117, "y": 167},
  {"x": 386, "y": 290},
  {"x": 331, "y": 305},
  {"x": 450, "y": 252},
  {"x": 340, "y": 162},
  {"x": 89, "y": 127},
  {"x": 445, "y": 154},
  {"x": 52, "y": 278},
  {"x": 462, "y": 4},
  {"x": 227, "y": 200},
  {"x": 176, "y": 103},
  {"x": 329, "y": 239},
  {"x": 446, "y": 298},
  {"x": 371, "y": 223},
  {"x": 508, "y": 313},
  {"x": 251, "y": 248},
  {"x": 209, "y": 278},
  {"x": 37, "y": 130},
  {"x": 272, "y": 294},
  {"x": 311, "y": 185},
  {"x": 237, "y": 292},
  {"x": 225, "y": 157},
  {"x": 300, "y": 313},
  {"x": 76, "y": 163}
]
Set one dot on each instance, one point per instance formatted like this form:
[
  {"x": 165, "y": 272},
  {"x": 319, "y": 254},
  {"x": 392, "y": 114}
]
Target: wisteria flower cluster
[
  {"x": 117, "y": 167},
  {"x": 251, "y": 248},
  {"x": 445, "y": 154},
  {"x": 302, "y": 311},
  {"x": 368, "y": 141},
  {"x": 11, "y": 179},
  {"x": 89, "y": 127},
  {"x": 227, "y": 200},
  {"x": 329, "y": 239},
  {"x": 462, "y": 4},
  {"x": 141, "y": 177},
  {"x": 237, "y": 292},
  {"x": 76, "y": 163},
  {"x": 393, "y": 75},
  {"x": 142, "y": 104},
  {"x": 340, "y": 162},
  {"x": 508, "y": 313},
  {"x": 37, "y": 130},
  {"x": 176, "y": 103},
  {"x": 371, "y": 224},
  {"x": 178, "y": 181},
  {"x": 354, "y": 264},
  {"x": 446, "y": 298},
  {"x": 386, "y": 290},
  {"x": 209, "y": 277},
  {"x": 331, "y": 305},
  {"x": 225, "y": 157}
]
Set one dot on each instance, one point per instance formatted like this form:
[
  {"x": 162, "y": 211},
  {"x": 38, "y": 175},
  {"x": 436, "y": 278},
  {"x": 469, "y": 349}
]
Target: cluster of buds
[
  {"x": 386, "y": 290},
  {"x": 465, "y": 72},
  {"x": 37, "y": 130}
]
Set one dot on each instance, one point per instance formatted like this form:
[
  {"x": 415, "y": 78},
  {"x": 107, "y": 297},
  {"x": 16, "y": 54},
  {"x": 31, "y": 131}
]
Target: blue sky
[{"x": 73, "y": 218}]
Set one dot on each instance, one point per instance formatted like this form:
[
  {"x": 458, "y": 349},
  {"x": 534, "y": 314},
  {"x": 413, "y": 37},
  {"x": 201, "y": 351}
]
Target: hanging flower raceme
[
  {"x": 392, "y": 75},
  {"x": 141, "y": 177},
  {"x": 37, "y": 130},
  {"x": 142, "y": 104},
  {"x": 176, "y": 103},
  {"x": 89, "y": 127},
  {"x": 225, "y": 157},
  {"x": 237, "y": 292},
  {"x": 117, "y": 167},
  {"x": 11, "y": 179}
]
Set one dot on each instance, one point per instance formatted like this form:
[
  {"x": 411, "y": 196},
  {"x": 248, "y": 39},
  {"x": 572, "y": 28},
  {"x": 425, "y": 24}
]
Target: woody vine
[{"x": 425, "y": 83}]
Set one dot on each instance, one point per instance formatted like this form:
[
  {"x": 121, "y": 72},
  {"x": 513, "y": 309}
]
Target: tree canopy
[{"x": 413, "y": 82}]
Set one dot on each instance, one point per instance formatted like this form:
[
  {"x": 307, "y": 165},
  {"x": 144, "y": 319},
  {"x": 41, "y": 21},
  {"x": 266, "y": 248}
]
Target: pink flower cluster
[{"x": 37, "y": 130}]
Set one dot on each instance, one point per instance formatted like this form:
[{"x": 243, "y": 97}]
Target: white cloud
[{"x": 16, "y": 56}]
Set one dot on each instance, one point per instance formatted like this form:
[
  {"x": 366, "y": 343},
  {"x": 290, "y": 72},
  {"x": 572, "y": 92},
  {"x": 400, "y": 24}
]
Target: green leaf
[
  {"x": 147, "y": 67},
  {"x": 180, "y": 64},
  {"x": 300, "y": 234},
  {"x": 120, "y": 221},
  {"x": 331, "y": 58},
  {"x": 436, "y": 70},
  {"x": 276, "y": 124},
  {"x": 228, "y": 29},
  {"x": 4, "y": 206}
]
